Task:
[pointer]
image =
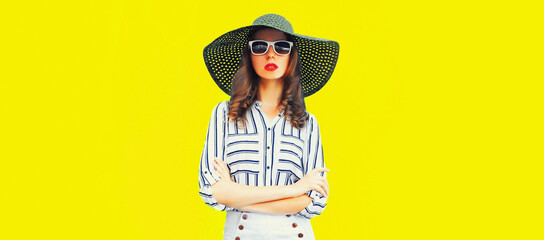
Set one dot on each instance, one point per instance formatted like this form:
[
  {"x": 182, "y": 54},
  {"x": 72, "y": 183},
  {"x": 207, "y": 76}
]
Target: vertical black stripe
[
  {"x": 224, "y": 127},
  {"x": 264, "y": 146},
  {"x": 247, "y": 179},
  {"x": 215, "y": 128},
  {"x": 283, "y": 127},
  {"x": 316, "y": 148},
  {"x": 309, "y": 148},
  {"x": 273, "y": 144},
  {"x": 291, "y": 126},
  {"x": 253, "y": 120}
]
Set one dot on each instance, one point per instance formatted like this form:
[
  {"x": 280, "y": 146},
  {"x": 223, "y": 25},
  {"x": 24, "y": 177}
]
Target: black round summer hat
[{"x": 317, "y": 56}]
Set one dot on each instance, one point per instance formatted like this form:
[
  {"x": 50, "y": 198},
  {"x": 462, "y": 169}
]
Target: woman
[{"x": 263, "y": 160}]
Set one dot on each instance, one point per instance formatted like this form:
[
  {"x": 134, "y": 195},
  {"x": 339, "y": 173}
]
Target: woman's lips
[{"x": 271, "y": 67}]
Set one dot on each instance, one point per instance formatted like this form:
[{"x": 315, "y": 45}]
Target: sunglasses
[{"x": 260, "y": 47}]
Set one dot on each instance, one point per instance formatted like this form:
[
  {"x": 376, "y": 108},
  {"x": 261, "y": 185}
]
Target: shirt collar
[{"x": 257, "y": 105}]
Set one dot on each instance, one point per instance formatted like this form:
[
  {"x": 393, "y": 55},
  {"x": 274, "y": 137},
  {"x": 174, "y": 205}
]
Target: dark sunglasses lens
[
  {"x": 259, "y": 47},
  {"x": 282, "y": 47}
]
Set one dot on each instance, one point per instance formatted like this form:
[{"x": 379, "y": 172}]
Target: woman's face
[{"x": 261, "y": 61}]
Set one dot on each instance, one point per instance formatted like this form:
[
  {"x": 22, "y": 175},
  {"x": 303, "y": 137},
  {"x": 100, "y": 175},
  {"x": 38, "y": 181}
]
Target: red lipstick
[{"x": 270, "y": 67}]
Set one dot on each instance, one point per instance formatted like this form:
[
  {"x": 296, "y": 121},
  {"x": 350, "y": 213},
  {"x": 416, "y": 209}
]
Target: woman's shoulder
[
  {"x": 220, "y": 108},
  {"x": 311, "y": 122},
  {"x": 221, "y": 105},
  {"x": 311, "y": 117}
]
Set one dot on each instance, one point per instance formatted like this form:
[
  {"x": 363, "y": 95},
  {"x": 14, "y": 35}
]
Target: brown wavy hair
[{"x": 245, "y": 86}]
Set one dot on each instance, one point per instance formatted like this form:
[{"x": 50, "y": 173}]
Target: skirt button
[
  {"x": 241, "y": 227},
  {"x": 288, "y": 215},
  {"x": 244, "y": 216},
  {"x": 300, "y": 235},
  {"x": 294, "y": 225}
]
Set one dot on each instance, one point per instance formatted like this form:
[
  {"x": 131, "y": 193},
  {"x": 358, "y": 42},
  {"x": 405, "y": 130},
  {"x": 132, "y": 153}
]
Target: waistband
[
  {"x": 265, "y": 216},
  {"x": 240, "y": 225}
]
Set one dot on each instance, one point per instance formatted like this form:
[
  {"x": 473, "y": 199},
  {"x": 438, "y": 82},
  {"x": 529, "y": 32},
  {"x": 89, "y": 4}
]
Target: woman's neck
[{"x": 270, "y": 91}]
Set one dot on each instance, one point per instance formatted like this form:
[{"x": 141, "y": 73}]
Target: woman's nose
[{"x": 270, "y": 53}]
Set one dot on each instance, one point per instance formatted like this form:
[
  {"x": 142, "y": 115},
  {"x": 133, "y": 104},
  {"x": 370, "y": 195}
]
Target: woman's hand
[
  {"x": 222, "y": 169},
  {"x": 312, "y": 181}
]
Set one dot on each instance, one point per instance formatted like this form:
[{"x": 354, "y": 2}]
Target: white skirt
[{"x": 261, "y": 226}]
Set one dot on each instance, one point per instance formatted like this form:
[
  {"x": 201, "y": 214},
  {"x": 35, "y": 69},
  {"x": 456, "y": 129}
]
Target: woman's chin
[{"x": 270, "y": 76}]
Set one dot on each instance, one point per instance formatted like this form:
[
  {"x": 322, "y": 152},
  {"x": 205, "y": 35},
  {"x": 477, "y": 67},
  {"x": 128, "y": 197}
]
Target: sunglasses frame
[{"x": 273, "y": 46}]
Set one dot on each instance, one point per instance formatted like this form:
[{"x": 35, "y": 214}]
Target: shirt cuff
[{"x": 315, "y": 194}]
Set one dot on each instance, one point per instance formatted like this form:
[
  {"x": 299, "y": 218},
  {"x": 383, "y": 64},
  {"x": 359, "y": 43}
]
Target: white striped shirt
[{"x": 263, "y": 154}]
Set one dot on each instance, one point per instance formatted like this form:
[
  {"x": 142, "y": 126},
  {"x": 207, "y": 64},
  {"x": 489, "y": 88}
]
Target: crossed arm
[
  {"x": 269, "y": 199},
  {"x": 290, "y": 205}
]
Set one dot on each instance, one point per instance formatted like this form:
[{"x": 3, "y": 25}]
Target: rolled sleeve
[
  {"x": 314, "y": 159},
  {"x": 213, "y": 147}
]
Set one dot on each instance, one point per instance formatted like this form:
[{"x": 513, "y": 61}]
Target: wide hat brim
[{"x": 317, "y": 56}]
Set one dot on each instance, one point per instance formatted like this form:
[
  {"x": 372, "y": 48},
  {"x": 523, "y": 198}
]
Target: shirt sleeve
[
  {"x": 314, "y": 159},
  {"x": 213, "y": 147}
]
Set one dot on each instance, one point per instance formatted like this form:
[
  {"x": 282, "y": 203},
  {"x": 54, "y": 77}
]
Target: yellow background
[{"x": 431, "y": 123}]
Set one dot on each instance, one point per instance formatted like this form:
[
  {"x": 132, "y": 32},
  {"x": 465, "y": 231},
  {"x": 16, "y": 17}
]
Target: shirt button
[
  {"x": 241, "y": 227},
  {"x": 294, "y": 225},
  {"x": 288, "y": 215},
  {"x": 267, "y": 167},
  {"x": 205, "y": 171},
  {"x": 268, "y": 147},
  {"x": 244, "y": 216},
  {"x": 300, "y": 235},
  {"x": 237, "y": 238}
]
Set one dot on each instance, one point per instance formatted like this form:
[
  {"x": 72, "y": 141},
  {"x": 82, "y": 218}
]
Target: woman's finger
[
  {"x": 317, "y": 170},
  {"x": 220, "y": 171},
  {"x": 216, "y": 168},
  {"x": 213, "y": 170},
  {"x": 225, "y": 172},
  {"x": 323, "y": 185},
  {"x": 320, "y": 190},
  {"x": 219, "y": 162},
  {"x": 216, "y": 171},
  {"x": 216, "y": 163},
  {"x": 224, "y": 165},
  {"x": 327, "y": 188}
]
